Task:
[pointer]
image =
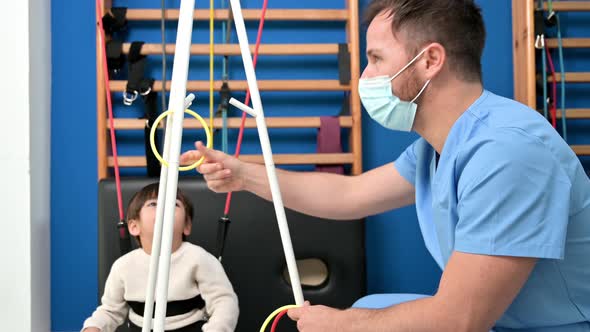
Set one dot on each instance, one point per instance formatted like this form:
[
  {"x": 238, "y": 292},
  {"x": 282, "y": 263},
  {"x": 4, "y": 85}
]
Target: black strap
[
  {"x": 539, "y": 87},
  {"x": 194, "y": 327},
  {"x": 224, "y": 97},
  {"x": 151, "y": 114},
  {"x": 137, "y": 83},
  {"x": 115, "y": 20},
  {"x": 124, "y": 238},
  {"x": 539, "y": 31},
  {"x": 222, "y": 229},
  {"x": 135, "y": 51},
  {"x": 343, "y": 64},
  {"x": 551, "y": 19},
  {"x": 173, "y": 308},
  {"x": 345, "y": 110},
  {"x": 115, "y": 57},
  {"x": 539, "y": 23}
]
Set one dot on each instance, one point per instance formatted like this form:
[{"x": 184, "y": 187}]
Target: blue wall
[
  {"x": 392, "y": 237},
  {"x": 73, "y": 164}
]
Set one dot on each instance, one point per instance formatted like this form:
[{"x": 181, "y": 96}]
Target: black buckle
[{"x": 129, "y": 97}]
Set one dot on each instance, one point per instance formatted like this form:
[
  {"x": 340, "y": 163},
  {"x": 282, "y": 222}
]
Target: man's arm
[
  {"x": 335, "y": 196},
  {"x": 474, "y": 292},
  {"x": 323, "y": 195}
]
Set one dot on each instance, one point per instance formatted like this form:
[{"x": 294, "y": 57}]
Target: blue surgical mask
[{"x": 384, "y": 106}]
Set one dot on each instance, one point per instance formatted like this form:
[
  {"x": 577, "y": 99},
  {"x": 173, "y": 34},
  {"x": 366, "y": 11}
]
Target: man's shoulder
[
  {"x": 500, "y": 143},
  {"x": 492, "y": 101},
  {"x": 506, "y": 150}
]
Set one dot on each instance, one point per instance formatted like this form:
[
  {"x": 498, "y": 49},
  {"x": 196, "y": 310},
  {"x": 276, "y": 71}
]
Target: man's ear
[
  {"x": 133, "y": 226},
  {"x": 434, "y": 58}
]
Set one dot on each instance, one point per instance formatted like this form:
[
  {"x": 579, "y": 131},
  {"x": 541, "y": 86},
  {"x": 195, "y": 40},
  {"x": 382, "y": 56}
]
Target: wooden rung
[
  {"x": 267, "y": 85},
  {"x": 573, "y": 113},
  {"x": 576, "y": 113},
  {"x": 279, "y": 159},
  {"x": 249, "y": 14},
  {"x": 581, "y": 150},
  {"x": 304, "y": 159},
  {"x": 572, "y": 77},
  {"x": 569, "y": 6},
  {"x": 234, "y": 49},
  {"x": 569, "y": 42},
  {"x": 271, "y": 122}
]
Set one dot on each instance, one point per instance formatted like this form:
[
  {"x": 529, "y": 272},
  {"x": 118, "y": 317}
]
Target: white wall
[
  {"x": 25, "y": 87},
  {"x": 40, "y": 136}
]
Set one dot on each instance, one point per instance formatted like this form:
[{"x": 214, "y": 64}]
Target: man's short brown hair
[{"x": 456, "y": 24}]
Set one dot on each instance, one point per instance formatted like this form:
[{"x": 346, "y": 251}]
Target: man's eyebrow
[{"x": 372, "y": 52}]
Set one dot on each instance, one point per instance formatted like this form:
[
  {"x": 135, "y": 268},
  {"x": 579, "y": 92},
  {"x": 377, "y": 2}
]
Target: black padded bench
[{"x": 253, "y": 257}]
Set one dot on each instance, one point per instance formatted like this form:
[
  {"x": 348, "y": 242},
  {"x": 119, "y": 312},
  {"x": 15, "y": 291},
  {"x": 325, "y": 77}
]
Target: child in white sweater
[{"x": 200, "y": 296}]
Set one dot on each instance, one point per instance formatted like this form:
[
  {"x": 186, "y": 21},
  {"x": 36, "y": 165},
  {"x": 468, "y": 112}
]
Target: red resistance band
[
  {"x": 241, "y": 133},
  {"x": 553, "y": 104}
]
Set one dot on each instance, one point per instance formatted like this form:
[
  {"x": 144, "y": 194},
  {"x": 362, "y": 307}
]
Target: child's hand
[{"x": 91, "y": 329}]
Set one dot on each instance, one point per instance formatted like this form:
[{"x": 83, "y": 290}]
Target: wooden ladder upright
[
  {"x": 349, "y": 15},
  {"x": 525, "y": 76}
]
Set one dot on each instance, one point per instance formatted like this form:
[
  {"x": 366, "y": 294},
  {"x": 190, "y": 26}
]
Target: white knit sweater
[{"x": 193, "y": 271}]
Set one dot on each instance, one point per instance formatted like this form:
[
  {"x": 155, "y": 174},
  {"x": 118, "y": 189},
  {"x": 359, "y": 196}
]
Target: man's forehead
[
  {"x": 381, "y": 22},
  {"x": 380, "y": 36},
  {"x": 380, "y": 29}
]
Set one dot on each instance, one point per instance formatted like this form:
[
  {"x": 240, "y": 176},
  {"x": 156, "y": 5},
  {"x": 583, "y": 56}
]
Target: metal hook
[
  {"x": 146, "y": 92},
  {"x": 129, "y": 97}
]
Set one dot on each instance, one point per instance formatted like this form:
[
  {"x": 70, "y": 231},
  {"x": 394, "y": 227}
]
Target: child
[{"x": 200, "y": 295}]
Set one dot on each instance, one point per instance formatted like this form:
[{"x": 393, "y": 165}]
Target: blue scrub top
[{"x": 507, "y": 184}]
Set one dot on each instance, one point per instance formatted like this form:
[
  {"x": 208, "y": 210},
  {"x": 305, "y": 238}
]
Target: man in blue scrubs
[{"x": 503, "y": 203}]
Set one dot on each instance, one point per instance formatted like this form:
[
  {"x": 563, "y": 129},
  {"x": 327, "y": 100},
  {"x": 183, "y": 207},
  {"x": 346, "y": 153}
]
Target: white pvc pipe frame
[{"x": 159, "y": 271}]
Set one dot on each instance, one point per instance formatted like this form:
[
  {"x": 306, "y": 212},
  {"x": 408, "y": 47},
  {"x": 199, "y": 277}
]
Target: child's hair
[{"x": 150, "y": 192}]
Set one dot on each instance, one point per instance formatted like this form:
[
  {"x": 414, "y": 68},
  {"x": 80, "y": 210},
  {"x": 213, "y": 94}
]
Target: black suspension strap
[{"x": 139, "y": 85}]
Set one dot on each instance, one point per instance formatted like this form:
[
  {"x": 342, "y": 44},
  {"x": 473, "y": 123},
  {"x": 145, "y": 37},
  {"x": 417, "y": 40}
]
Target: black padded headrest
[{"x": 253, "y": 257}]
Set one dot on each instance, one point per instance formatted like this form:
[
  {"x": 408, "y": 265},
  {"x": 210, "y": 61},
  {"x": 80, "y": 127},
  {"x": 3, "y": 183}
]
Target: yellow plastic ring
[
  {"x": 274, "y": 313},
  {"x": 153, "y": 143}
]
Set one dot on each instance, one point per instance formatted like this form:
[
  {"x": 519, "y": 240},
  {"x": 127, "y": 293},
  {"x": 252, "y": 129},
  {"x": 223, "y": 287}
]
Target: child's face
[{"x": 144, "y": 227}]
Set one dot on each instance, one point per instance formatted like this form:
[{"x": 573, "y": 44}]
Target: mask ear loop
[
  {"x": 420, "y": 93},
  {"x": 408, "y": 65}
]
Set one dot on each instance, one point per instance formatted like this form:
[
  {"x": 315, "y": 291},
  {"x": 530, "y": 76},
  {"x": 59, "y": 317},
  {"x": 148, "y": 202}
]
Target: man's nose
[
  {"x": 369, "y": 71},
  {"x": 365, "y": 73}
]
